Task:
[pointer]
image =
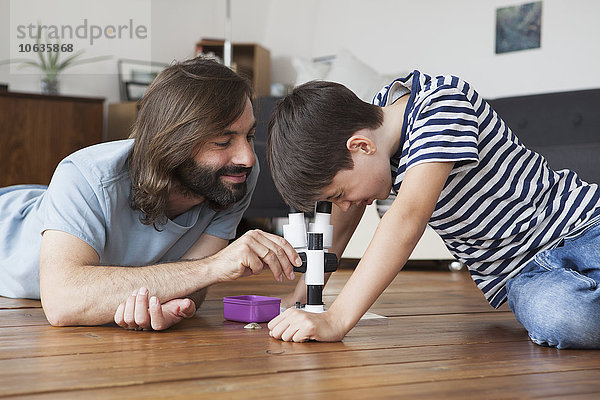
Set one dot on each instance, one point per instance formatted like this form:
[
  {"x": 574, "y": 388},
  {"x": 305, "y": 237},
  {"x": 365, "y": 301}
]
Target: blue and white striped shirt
[{"x": 502, "y": 204}]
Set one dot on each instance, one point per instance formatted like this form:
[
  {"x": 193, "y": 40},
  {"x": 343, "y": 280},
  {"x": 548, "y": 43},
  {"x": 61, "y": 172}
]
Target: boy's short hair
[{"x": 308, "y": 131}]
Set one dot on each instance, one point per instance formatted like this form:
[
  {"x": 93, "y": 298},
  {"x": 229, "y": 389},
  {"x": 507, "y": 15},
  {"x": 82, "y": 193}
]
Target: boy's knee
[
  {"x": 559, "y": 316},
  {"x": 564, "y": 329}
]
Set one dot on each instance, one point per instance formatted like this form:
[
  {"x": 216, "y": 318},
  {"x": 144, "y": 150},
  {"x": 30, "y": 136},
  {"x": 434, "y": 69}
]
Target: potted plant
[{"x": 51, "y": 64}]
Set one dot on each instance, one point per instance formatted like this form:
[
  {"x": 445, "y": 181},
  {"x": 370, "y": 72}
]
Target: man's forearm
[{"x": 89, "y": 295}]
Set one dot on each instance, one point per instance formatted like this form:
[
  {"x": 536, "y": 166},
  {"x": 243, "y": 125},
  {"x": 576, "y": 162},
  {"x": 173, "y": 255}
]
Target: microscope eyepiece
[{"x": 323, "y": 207}]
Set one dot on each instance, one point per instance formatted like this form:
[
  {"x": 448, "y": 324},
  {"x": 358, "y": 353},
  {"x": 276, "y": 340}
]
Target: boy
[{"x": 529, "y": 235}]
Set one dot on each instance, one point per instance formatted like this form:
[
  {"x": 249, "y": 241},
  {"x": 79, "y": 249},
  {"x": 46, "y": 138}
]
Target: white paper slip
[{"x": 370, "y": 315}]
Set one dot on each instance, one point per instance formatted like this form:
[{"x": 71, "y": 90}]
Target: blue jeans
[{"x": 556, "y": 297}]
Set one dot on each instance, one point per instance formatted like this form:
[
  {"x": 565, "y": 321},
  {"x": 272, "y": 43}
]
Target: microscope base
[{"x": 314, "y": 309}]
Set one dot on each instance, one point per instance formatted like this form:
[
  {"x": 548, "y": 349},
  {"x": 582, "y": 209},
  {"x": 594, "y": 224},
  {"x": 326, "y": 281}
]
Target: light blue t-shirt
[{"x": 89, "y": 197}]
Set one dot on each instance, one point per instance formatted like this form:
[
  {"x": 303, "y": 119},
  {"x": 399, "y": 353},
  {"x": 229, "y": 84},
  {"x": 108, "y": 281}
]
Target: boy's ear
[{"x": 361, "y": 143}]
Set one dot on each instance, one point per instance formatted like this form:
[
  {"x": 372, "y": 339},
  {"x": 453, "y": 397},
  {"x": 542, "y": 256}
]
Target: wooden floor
[{"x": 441, "y": 340}]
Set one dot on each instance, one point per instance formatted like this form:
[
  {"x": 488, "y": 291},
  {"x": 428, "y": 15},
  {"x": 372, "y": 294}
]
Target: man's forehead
[
  {"x": 240, "y": 128},
  {"x": 245, "y": 122}
]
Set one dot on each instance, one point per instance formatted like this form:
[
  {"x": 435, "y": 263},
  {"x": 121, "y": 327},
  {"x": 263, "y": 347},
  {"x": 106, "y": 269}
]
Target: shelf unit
[{"x": 248, "y": 59}]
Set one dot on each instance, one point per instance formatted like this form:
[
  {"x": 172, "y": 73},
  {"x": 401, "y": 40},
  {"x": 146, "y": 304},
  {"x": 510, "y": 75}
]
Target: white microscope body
[{"x": 312, "y": 249}]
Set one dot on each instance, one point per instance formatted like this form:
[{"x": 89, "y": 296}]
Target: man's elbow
[
  {"x": 58, "y": 316},
  {"x": 59, "y": 310},
  {"x": 64, "y": 311},
  {"x": 61, "y": 306},
  {"x": 56, "y": 320}
]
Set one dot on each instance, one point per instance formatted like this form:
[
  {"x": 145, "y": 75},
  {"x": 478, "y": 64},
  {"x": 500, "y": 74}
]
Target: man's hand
[
  {"x": 295, "y": 325},
  {"x": 249, "y": 254},
  {"x": 137, "y": 312}
]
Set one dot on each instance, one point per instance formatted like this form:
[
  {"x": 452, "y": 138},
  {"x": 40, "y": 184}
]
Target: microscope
[{"x": 312, "y": 249}]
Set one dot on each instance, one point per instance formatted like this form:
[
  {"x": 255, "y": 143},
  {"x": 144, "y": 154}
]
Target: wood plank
[
  {"x": 391, "y": 303},
  {"x": 570, "y": 384},
  {"x": 447, "y": 292},
  {"x": 6, "y": 302},
  {"x": 561, "y": 385},
  {"x": 406, "y": 281},
  {"x": 450, "y": 302},
  {"x": 22, "y": 317},
  {"x": 314, "y": 373},
  {"x": 230, "y": 350},
  {"x": 414, "y": 281},
  {"x": 217, "y": 344},
  {"x": 40, "y": 340},
  {"x": 442, "y": 341}
]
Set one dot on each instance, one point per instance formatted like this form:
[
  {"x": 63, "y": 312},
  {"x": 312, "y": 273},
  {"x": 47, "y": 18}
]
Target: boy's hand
[
  {"x": 290, "y": 299},
  {"x": 299, "y": 326},
  {"x": 138, "y": 313}
]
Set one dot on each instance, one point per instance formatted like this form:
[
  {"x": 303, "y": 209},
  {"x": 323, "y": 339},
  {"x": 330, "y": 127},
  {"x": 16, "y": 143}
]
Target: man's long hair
[{"x": 188, "y": 104}]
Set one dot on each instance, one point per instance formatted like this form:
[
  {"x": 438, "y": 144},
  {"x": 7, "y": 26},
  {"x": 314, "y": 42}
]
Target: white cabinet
[{"x": 430, "y": 247}]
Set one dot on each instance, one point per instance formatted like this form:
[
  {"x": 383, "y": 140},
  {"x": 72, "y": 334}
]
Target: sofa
[{"x": 563, "y": 127}]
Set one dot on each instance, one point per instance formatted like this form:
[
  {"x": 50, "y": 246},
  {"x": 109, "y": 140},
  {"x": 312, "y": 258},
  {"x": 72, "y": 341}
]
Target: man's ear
[{"x": 361, "y": 143}]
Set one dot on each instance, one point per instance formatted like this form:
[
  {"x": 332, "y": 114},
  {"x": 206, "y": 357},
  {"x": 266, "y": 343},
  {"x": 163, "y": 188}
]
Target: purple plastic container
[{"x": 250, "y": 308}]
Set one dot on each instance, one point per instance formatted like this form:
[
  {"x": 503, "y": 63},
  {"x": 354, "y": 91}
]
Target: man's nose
[{"x": 244, "y": 155}]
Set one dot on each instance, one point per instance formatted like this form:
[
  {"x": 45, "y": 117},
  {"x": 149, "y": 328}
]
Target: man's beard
[{"x": 199, "y": 180}]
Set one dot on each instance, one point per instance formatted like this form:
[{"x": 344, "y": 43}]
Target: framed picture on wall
[
  {"x": 518, "y": 27},
  {"x": 135, "y": 76}
]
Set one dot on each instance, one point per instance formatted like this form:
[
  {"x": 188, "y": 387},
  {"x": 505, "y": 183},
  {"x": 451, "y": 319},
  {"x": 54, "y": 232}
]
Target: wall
[
  {"x": 390, "y": 35},
  {"x": 445, "y": 37}
]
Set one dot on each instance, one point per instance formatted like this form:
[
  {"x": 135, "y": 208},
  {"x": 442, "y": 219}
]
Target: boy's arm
[
  {"x": 344, "y": 224},
  {"x": 395, "y": 238}
]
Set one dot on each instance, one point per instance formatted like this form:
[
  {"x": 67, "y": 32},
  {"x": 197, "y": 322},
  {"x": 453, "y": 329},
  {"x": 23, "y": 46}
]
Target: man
[{"x": 151, "y": 215}]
